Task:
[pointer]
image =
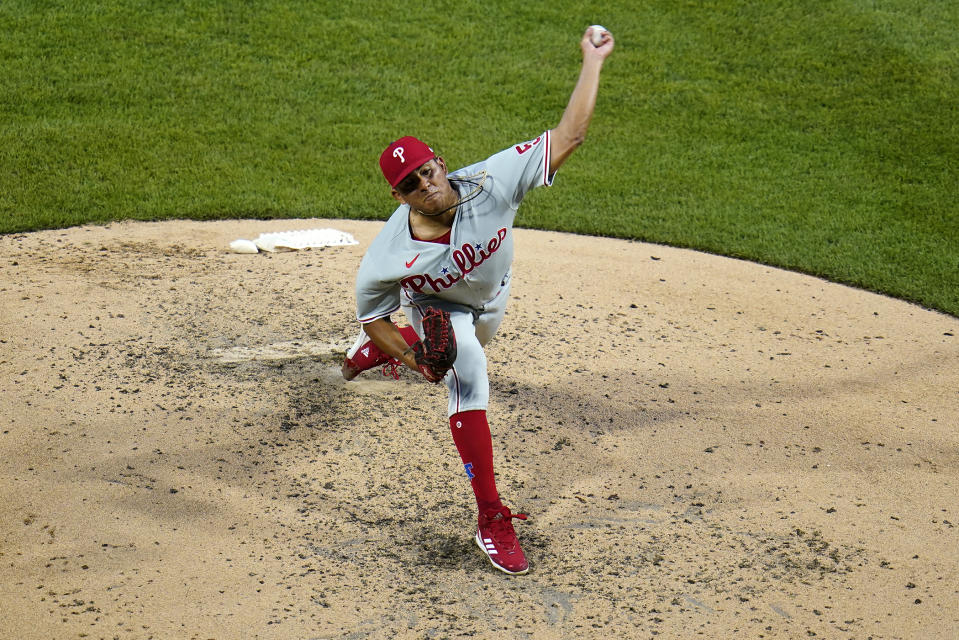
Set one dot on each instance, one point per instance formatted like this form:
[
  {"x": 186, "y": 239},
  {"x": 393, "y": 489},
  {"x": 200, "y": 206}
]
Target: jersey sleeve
[
  {"x": 521, "y": 168},
  {"x": 375, "y": 298}
]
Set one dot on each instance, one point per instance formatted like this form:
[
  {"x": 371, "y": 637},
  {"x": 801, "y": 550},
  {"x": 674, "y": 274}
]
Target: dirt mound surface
[{"x": 705, "y": 447}]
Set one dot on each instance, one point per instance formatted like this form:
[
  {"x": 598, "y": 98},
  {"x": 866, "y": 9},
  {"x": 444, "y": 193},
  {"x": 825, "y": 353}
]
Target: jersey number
[{"x": 523, "y": 148}]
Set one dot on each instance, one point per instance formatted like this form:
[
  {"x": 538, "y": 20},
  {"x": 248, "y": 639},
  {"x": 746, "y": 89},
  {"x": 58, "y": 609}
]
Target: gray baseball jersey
[{"x": 474, "y": 268}]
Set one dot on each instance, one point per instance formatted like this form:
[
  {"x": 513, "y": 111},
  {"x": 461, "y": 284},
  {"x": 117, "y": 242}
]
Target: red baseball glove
[{"x": 436, "y": 352}]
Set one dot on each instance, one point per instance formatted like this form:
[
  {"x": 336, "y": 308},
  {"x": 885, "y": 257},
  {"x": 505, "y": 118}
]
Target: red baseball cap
[{"x": 403, "y": 157}]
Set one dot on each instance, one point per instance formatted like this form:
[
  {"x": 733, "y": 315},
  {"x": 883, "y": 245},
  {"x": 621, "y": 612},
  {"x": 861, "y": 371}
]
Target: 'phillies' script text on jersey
[{"x": 466, "y": 259}]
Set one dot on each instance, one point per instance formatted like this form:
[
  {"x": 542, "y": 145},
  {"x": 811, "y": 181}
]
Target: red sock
[
  {"x": 409, "y": 334},
  {"x": 475, "y": 444}
]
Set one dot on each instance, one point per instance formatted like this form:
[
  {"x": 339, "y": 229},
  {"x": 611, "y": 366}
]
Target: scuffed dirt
[{"x": 705, "y": 447}]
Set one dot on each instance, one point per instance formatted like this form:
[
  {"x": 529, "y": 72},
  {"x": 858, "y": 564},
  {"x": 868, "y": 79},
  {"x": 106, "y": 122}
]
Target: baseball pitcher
[{"x": 444, "y": 258}]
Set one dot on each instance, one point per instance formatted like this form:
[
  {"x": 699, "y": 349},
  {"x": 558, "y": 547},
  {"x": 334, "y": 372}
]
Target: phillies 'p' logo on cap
[{"x": 402, "y": 157}]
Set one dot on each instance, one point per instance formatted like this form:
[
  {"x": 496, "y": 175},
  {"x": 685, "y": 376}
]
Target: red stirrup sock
[
  {"x": 409, "y": 334},
  {"x": 475, "y": 444}
]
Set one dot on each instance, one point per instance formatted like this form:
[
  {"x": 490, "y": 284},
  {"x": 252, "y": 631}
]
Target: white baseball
[{"x": 596, "y": 37}]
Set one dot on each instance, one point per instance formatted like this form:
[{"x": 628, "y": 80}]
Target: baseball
[{"x": 596, "y": 37}]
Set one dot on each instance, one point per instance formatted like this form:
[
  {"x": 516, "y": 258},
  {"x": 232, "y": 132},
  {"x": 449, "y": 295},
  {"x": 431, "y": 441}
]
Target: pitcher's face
[{"x": 427, "y": 188}]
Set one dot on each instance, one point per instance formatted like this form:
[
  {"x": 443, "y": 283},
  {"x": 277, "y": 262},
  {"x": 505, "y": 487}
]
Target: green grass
[{"x": 820, "y": 136}]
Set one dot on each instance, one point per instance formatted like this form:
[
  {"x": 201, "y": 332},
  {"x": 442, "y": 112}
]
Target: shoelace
[
  {"x": 500, "y": 527},
  {"x": 391, "y": 368}
]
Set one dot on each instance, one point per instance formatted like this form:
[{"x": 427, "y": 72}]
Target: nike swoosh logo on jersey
[{"x": 410, "y": 263}]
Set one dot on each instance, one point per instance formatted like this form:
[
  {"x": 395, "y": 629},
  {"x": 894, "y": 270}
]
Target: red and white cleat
[
  {"x": 363, "y": 355},
  {"x": 497, "y": 538}
]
